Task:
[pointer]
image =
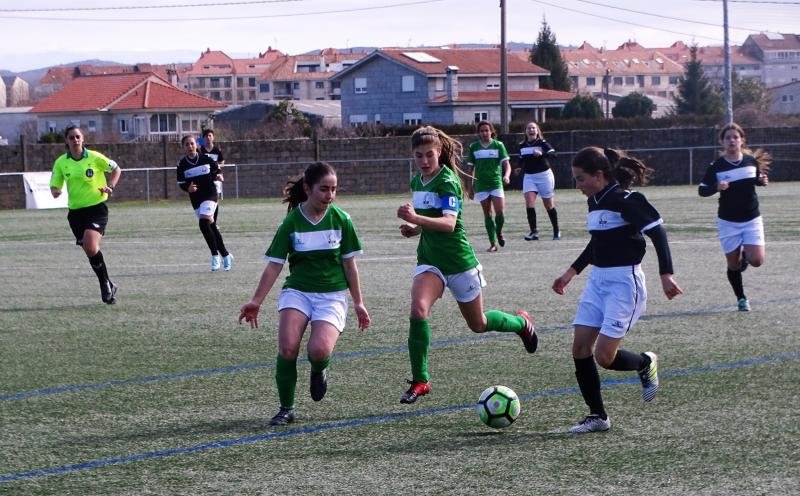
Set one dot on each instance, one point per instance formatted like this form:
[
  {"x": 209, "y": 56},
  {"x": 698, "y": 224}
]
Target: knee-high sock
[
  {"x": 208, "y": 235},
  {"x": 319, "y": 365},
  {"x": 218, "y": 240},
  {"x": 531, "y": 218},
  {"x": 419, "y": 340},
  {"x": 490, "y": 228},
  {"x": 503, "y": 322},
  {"x": 627, "y": 360},
  {"x": 499, "y": 221},
  {"x": 99, "y": 267},
  {"x": 589, "y": 384},
  {"x": 735, "y": 278},
  {"x": 553, "y": 219},
  {"x": 286, "y": 380}
]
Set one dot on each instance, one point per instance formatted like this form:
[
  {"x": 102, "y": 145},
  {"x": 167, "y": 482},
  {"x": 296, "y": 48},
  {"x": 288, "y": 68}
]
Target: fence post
[
  {"x": 164, "y": 164},
  {"x": 691, "y": 164},
  {"x": 236, "y": 179},
  {"x": 24, "y": 152}
]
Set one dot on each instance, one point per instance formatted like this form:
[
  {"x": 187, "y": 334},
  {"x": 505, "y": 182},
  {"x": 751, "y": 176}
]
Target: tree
[
  {"x": 546, "y": 54},
  {"x": 582, "y": 107},
  {"x": 751, "y": 93},
  {"x": 696, "y": 95},
  {"x": 634, "y": 105}
]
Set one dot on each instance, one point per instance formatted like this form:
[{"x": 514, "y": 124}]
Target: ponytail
[{"x": 614, "y": 164}]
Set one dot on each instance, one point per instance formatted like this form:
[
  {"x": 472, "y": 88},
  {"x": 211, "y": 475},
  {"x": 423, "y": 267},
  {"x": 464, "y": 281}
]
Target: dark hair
[
  {"x": 485, "y": 123},
  {"x": 207, "y": 131},
  {"x": 186, "y": 137},
  {"x": 763, "y": 158},
  {"x": 614, "y": 164},
  {"x": 450, "y": 148},
  {"x": 69, "y": 128},
  {"x": 294, "y": 193}
]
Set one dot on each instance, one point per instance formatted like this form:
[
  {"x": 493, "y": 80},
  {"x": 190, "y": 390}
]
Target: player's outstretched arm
[{"x": 249, "y": 311}]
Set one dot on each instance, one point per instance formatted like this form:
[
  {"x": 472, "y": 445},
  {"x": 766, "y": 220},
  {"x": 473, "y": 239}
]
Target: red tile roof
[
  {"x": 783, "y": 41},
  {"x": 513, "y": 96},
  {"x": 121, "y": 91},
  {"x": 468, "y": 61}
]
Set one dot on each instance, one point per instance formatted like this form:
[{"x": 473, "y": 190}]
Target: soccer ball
[{"x": 498, "y": 406}]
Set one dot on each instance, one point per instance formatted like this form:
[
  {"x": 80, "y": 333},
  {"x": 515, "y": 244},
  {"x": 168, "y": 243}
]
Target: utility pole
[
  {"x": 503, "y": 71},
  {"x": 727, "y": 84}
]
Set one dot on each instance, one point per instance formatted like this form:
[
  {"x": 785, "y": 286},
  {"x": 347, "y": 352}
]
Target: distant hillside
[{"x": 34, "y": 75}]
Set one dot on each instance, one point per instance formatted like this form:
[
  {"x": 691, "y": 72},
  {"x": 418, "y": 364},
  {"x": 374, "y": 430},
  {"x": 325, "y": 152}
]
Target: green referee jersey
[
  {"x": 450, "y": 252},
  {"x": 315, "y": 251},
  {"x": 84, "y": 177},
  {"x": 487, "y": 161}
]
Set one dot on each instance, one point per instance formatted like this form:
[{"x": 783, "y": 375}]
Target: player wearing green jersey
[
  {"x": 444, "y": 255},
  {"x": 320, "y": 242},
  {"x": 84, "y": 172},
  {"x": 491, "y": 170}
]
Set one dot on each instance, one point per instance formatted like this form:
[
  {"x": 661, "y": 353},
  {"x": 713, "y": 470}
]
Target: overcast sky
[{"x": 122, "y": 31}]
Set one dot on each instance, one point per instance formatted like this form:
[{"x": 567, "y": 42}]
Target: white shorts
[
  {"x": 464, "y": 286},
  {"x": 543, "y": 183},
  {"x": 613, "y": 300},
  {"x": 732, "y": 235},
  {"x": 206, "y": 209},
  {"x": 328, "y": 307},
  {"x": 483, "y": 195}
]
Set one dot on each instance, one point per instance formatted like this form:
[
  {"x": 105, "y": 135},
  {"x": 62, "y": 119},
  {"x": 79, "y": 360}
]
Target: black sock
[
  {"x": 553, "y": 219},
  {"x": 99, "y": 267},
  {"x": 735, "y": 278},
  {"x": 589, "y": 384},
  {"x": 208, "y": 235},
  {"x": 531, "y": 218},
  {"x": 218, "y": 238},
  {"x": 627, "y": 360}
]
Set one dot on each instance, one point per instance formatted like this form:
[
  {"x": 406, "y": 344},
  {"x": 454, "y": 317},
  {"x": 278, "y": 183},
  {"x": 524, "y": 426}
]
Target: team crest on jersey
[{"x": 89, "y": 172}]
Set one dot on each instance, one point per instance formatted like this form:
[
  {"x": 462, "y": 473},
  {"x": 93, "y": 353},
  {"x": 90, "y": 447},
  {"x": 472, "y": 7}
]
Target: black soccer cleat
[
  {"x": 108, "y": 291},
  {"x": 283, "y": 417},
  {"x": 319, "y": 384}
]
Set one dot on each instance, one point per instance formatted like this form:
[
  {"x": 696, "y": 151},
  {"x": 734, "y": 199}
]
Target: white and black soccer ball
[{"x": 498, "y": 406}]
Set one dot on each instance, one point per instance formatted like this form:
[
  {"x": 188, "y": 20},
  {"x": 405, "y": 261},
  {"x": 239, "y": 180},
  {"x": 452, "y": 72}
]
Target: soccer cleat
[
  {"x": 528, "y": 335},
  {"x": 227, "y": 262},
  {"x": 492, "y": 248},
  {"x": 744, "y": 305},
  {"x": 649, "y": 377},
  {"x": 283, "y": 417},
  {"x": 501, "y": 240},
  {"x": 533, "y": 236},
  {"x": 319, "y": 384},
  {"x": 556, "y": 236},
  {"x": 592, "y": 423},
  {"x": 216, "y": 262},
  {"x": 108, "y": 290},
  {"x": 416, "y": 390}
]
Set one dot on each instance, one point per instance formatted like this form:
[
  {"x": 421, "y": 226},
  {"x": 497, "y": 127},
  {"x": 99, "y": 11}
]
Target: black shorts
[{"x": 94, "y": 218}]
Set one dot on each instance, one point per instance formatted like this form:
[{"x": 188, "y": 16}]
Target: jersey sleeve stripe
[
  {"x": 652, "y": 225},
  {"x": 352, "y": 254}
]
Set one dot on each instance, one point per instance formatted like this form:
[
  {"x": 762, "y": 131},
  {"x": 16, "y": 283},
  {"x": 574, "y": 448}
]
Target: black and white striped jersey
[
  {"x": 202, "y": 171},
  {"x": 616, "y": 220},
  {"x": 738, "y": 203}
]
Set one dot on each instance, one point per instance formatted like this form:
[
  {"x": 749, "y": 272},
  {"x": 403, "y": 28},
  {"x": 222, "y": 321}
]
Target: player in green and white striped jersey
[
  {"x": 444, "y": 255},
  {"x": 491, "y": 170},
  {"x": 320, "y": 242}
]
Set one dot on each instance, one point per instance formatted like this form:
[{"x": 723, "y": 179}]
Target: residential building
[
  {"x": 779, "y": 55},
  {"x": 307, "y": 76},
  {"x": 712, "y": 58},
  {"x": 441, "y": 86},
  {"x": 218, "y": 77},
  {"x": 56, "y": 77},
  {"x": 3, "y": 96},
  {"x": 786, "y": 98},
  {"x": 14, "y": 122},
  {"x": 128, "y": 106}
]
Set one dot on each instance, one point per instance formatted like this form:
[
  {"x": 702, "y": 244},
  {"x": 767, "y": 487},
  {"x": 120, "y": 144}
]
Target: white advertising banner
[{"x": 37, "y": 191}]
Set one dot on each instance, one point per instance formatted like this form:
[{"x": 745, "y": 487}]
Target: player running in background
[
  {"x": 196, "y": 175},
  {"x": 444, "y": 255},
  {"x": 615, "y": 295},
  {"x": 735, "y": 174},
  {"x": 84, "y": 172},
  {"x": 215, "y": 152},
  {"x": 538, "y": 178},
  {"x": 491, "y": 170},
  {"x": 320, "y": 242}
]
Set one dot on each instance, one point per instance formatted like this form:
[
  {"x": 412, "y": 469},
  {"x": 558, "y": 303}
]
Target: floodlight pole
[
  {"x": 503, "y": 71},
  {"x": 727, "y": 83}
]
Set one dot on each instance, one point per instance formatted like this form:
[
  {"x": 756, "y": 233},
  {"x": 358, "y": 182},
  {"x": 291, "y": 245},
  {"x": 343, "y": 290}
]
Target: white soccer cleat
[
  {"x": 216, "y": 262},
  {"x": 592, "y": 423},
  {"x": 227, "y": 262}
]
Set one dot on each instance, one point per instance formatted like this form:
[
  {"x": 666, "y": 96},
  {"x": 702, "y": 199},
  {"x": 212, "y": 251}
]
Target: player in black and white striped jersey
[{"x": 735, "y": 175}]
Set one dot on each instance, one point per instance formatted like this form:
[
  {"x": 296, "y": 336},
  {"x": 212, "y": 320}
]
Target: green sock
[
  {"x": 500, "y": 221},
  {"x": 490, "y": 228},
  {"x": 286, "y": 379},
  {"x": 503, "y": 322},
  {"x": 319, "y": 366},
  {"x": 419, "y": 339}
]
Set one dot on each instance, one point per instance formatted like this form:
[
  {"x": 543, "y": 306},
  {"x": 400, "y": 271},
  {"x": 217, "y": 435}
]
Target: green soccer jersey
[
  {"x": 487, "y": 162},
  {"x": 315, "y": 251},
  {"x": 450, "y": 252},
  {"x": 84, "y": 177}
]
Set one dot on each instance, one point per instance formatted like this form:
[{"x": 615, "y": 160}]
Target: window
[
  {"x": 251, "y": 82},
  {"x": 240, "y": 95},
  {"x": 408, "y": 84},
  {"x": 228, "y": 82},
  {"x": 214, "y": 95},
  {"x": 439, "y": 82},
  {"x": 480, "y": 116},
  {"x": 296, "y": 85},
  {"x": 412, "y": 118},
  {"x": 360, "y": 85},
  {"x": 335, "y": 85},
  {"x": 214, "y": 82},
  {"x": 573, "y": 81},
  {"x": 227, "y": 96},
  {"x": 51, "y": 126},
  {"x": 492, "y": 85},
  {"x": 357, "y": 119},
  {"x": 123, "y": 126},
  {"x": 617, "y": 80},
  {"x": 629, "y": 80},
  {"x": 263, "y": 87},
  {"x": 590, "y": 81},
  {"x": 239, "y": 81},
  {"x": 319, "y": 85},
  {"x": 189, "y": 125},
  {"x": 163, "y": 123},
  {"x": 377, "y": 118},
  {"x": 75, "y": 122},
  {"x": 655, "y": 80},
  {"x": 673, "y": 80},
  {"x": 91, "y": 126},
  {"x": 251, "y": 94},
  {"x": 785, "y": 98}
]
